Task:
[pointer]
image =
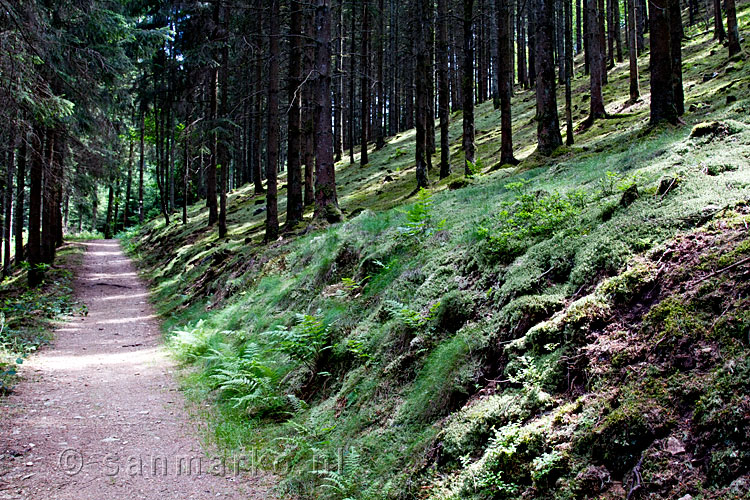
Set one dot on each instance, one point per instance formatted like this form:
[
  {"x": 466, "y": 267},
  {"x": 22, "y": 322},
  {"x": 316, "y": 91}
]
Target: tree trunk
[
  {"x": 569, "y": 71},
  {"x": 596, "y": 102},
  {"x": 579, "y": 41},
  {"x": 548, "y": 124},
  {"x": 141, "y": 168},
  {"x": 423, "y": 74},
  {"x": 662, "y": 91},
  {"x": 20, "y": 195},
  {"x": 617, "y": 30},
  {"x": 213, "y": 210},
  {"x": 34, "y": 248},
  {"x": 222, "y": 145},
  {"x": 719, "y": 32},
  {"x": 676, "y": 35},
  {"x": 272, "y": 130},
  {"x": 467, "y": 87},
  {"x": 110, "y": 203},
  {"x": 732, "y": 28},
  {"x": 338, "y": 94},
  {"x": 352, "y": 59},
  {"x": 635, "y": 92},
  {"x": 379, "y": 134},
  {"x": 48, "y": 239},
  {"x": 505, "y": 81},
  {"x": 8, "y": 203},
  {"x": 128, "y": 185},
  {"x": 443, "y": 89},
  {"x": 326, "y": 200},
  {"x": 294, "y": 116},
  {"x": 364, "y": 86}
]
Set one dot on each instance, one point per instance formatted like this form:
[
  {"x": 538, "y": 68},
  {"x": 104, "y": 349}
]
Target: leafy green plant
[
  {"x": 304, "y": 342},
  {"x": 476, "y": 167},
  {"x": 344, "y": 482},
  {"x": 525, "y": 220},
  {"x": 419, "y": 216}
]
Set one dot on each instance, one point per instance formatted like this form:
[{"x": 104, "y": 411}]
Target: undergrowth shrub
[{"x": 527, "y": 219}]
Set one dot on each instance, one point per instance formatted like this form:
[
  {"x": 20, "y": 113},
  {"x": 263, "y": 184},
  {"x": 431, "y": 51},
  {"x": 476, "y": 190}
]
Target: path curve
[{"x": 98, "y": 416}]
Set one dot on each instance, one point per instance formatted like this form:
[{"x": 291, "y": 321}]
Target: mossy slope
[{"x": 576, "y": 327}]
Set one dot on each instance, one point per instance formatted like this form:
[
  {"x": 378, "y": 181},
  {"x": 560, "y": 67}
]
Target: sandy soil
[{"x": 98, "y": 416}]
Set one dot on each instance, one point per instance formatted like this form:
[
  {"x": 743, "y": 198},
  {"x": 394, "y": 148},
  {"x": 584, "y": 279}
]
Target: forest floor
[{"x": 99, "y": 415}]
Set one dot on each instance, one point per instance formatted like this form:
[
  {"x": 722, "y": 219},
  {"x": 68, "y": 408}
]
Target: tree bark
[
  {"x": 675, "y": 26},
  {"x": 443, "y": 89},
  {"x": 662, "y": 91},
  {"x": 380, "y": 109},
  {"x": 505, "y": 81},
  {"x": 364, "y": 85},
  {"x": 548, "y": 124},
  {"x": 719, "y": 32},
  {"x": 272, "y": 130},
  {"x": 423, "y": 74},
  {"x": 128, "y": 185},
  {"x": 141, "y": 168},
  {"x": 596, "y": 53},
  {"x": 569, "y": 71},
  {"x": 36, "y": 274},
  {"x": 20, "y": 195},
  {"x": 326, "y": 199},
  {"x": 635, "y": 92},
  {"x": 294, "y": 116},
  {"x": 222, "y": 145},
  {"x": 467, "y": 87},
  {"x": 733, "y": 33},
  {"x": 8, "y": 202}
]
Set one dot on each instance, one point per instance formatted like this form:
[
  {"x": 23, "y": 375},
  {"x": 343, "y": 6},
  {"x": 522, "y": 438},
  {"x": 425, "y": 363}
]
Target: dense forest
[
  {"x": 449, "y": 249},
  {"x": 160, "y": 105}
]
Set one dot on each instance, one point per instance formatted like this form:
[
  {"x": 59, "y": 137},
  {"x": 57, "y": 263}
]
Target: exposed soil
[{"x": 99, "y": 416}]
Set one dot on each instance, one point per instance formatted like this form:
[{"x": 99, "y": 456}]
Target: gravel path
[{"x": 98, "y": 416}]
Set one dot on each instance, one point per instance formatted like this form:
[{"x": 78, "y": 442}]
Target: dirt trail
[{"x": 98, "y": 416}]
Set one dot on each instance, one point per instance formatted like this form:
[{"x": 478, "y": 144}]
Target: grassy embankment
[{"x": 573, "y": 327}]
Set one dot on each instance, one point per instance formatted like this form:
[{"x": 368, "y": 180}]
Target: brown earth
[{"x": 99, "y": 416}]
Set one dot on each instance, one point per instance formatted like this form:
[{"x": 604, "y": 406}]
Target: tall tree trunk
[
  {"x": 617, "y": 30},
  {"x": 8, "y": 203},
  {"x": 213, "y": 210},
  {"x": 294, "y": 205},
  {"x": 676, "y": 35},
  {"x": 601, "y": 14},
  {"x": 523, "y": 78},
  {"x": 531, "y": 14},
  {"x": 719, "y": 32},
  {"x": 596, "y": 53},
  {"x": 110, "y": 204},
  {"x": 20, "y": 195},
  {"x": 662, "y": 90},
  {"x": 185, "y": 176},
  {"x": 548, "y": 124},
  {"x": 272, "y": 130},
  {"x": 568, "y": 7},
  {"x": 326, "y": 199},
  {"x": 34, "y": 246},
  {"x": 610, "y": 33},
  {"x": 467, "y": 87},
  {"x": 222, "y": 145},
  {"x": 364, "y": 85},
  {"x": 635, "y": 92},
  {"x": 422, "y": 21},
  {"x": 732, "y": 28},
  {"x": 443, "y": 89},
  {"x": 352, "y": 48},
  {"x": 128, "y": 185},
  {"x": 258, "y": 105},
  {"x": 48, "y": 239},
  {"x": 505, "y": 81},
  {"x": 338, "y": 94},
  {"x": 141, "y": 168},
  {"x": 380, "y": 110}
]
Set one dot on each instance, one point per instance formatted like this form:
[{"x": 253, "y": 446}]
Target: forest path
[{"x": 99, "y": 416}]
